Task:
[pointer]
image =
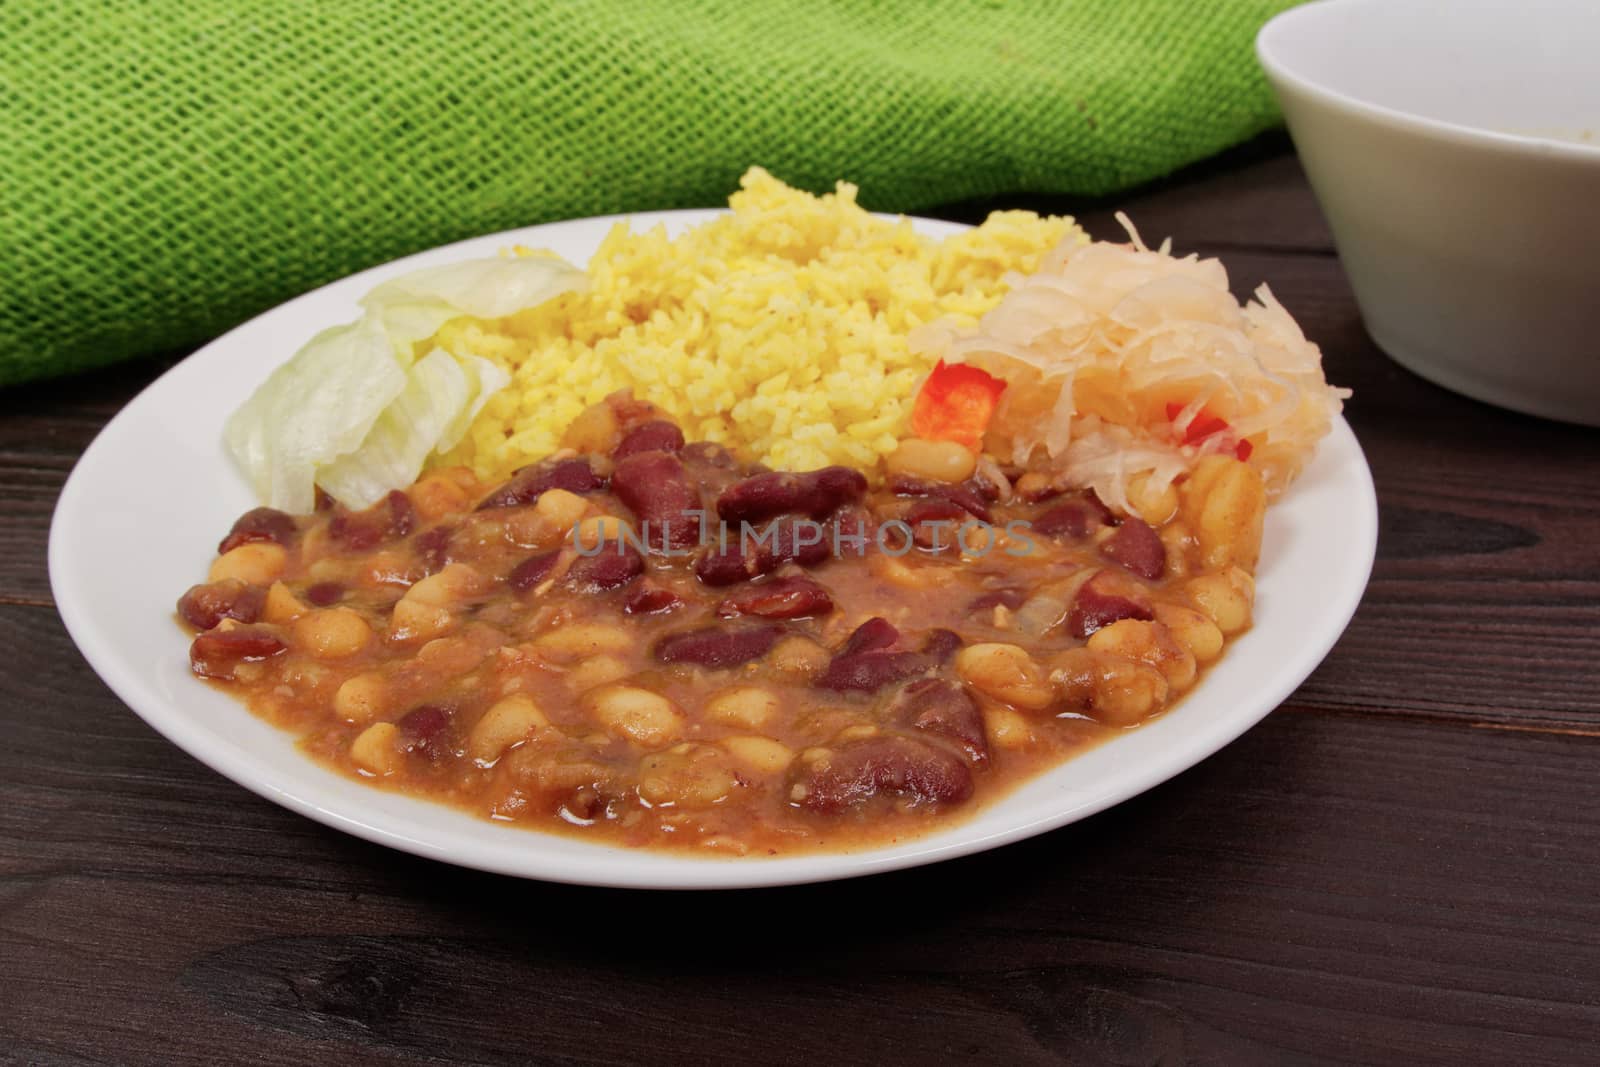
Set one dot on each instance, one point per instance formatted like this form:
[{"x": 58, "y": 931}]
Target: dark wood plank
[
  {"x": 1331, "y": 888},
  {"x": 44, "y": 428},
  {"x": 37, "y": 452},
  {"x": 101, "y": 392},
  {"x": 1254, "y": 197}
]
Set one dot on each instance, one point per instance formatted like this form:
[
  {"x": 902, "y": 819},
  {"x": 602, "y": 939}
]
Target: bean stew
[{"x": 643, "y": 641}]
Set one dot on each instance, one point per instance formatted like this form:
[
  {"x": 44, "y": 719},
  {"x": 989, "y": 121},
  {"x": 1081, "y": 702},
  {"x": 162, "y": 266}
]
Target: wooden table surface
[{"x": 1399, "y": 865}]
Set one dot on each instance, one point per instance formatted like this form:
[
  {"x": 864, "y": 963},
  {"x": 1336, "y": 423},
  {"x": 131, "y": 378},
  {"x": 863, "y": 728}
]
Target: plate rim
[{"x": 617, "y": 866}]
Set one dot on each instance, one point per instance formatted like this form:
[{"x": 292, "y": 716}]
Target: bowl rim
[{"x": 1279, "y": 72}]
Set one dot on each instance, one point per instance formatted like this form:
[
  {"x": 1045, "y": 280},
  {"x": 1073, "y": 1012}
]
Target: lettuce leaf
[
  {"x": 488, "y": 378},
  {"x": 405, "y": 434},
  {"x": 355, "y": 412},
  {"x": 443, "y": 394},
  {"x": 406, "y": 324},
  {"x": 316, "y": 407},
  {"x": 488, "y": 288}
]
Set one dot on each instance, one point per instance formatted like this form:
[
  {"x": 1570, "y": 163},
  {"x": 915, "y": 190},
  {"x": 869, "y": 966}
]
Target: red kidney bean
[
  {"x": 877, "y": 632},
  {"x": 648, "y": 599},
  {"x": 322, "y": 501},
  {"x": 904, "y": 766},
  {"x": 779, "y": 598},
  {"x": 616, "y": 564},
  {"x": 717, "y": 646},
  {"x": 390, "y": 518},
  {"x": 259, "y": 524},
  {"x": 203, "y": 606},
  {"x": 985, "y": 488},
  {"x": 529, "y": 483},
  {"x": 795, "y": 539},
  {"x": 964, "y": 495},
  {"x": 218, "y": 653},
  {"x": 841, "y": 484},
  {"x": 852, "y": 532},
  {"x": 1137, "y": 547},
  {"x": 325, "y": 594},
  {"x": 943, "y": 707},
  {"x": 1012, "y": 599},
  {"x": 533, "y": 570},
  {"x": 1074, "y": 519},
  {"x": 1065, "y": 521},
  {"x": 1098, "y": 605},
  {"x": 763, "y": 548},
  {"x": 656, "y": 488},
  {"x": 727, "y": 564},
  {"x": 941, "y": 644},
  {"x": 423, "y": 729},
  {"x": 815, "y": 493},
  {"x": 657, "y": 435},
  {"x": 867, "y": 672},
  {"x": 936, "y": 523},
  {"x": 433, "y": 549}
]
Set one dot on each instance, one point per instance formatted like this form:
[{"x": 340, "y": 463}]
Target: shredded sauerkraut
[{"x": 1127, "y": 364}]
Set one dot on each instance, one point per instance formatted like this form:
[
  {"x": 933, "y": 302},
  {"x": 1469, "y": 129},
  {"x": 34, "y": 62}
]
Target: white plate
[{"x": 141, "y": 515}]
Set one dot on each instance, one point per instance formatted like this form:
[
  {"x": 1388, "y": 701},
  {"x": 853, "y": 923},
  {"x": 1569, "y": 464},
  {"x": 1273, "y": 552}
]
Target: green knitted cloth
[{"x": 169, "y": 168}]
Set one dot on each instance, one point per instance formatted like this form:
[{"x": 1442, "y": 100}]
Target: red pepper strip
[
  {"x": 955, "y": 404},
  {"x": 1203, "y": 425}
]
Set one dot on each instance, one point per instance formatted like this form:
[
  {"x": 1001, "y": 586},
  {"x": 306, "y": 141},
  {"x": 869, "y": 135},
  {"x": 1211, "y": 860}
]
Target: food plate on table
[{"x": 860, "y": 771}]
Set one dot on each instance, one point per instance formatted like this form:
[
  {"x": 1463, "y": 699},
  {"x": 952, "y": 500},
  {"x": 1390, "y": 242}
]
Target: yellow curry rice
[{"x": 778, "y": 330}]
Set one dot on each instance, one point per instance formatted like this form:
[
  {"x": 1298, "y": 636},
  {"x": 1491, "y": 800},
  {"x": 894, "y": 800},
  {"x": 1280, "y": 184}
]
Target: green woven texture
[{"x": 169, "y": 168}]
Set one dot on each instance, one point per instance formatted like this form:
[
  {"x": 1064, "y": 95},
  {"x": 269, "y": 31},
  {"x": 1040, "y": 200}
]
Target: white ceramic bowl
[{"x": 1455, "y": 148}]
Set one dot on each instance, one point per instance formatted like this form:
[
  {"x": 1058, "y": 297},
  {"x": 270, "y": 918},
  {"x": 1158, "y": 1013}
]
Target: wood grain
[
  {"x": 1254, "y": 196},
  {"x": 44, "y": 428},
  {"x": 1397, "y": 866},
  {"x": 1328, "y": 889}
]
